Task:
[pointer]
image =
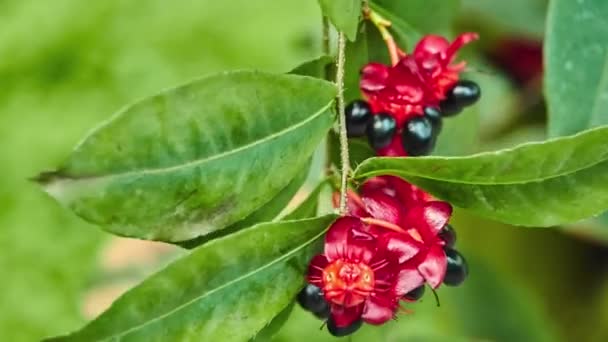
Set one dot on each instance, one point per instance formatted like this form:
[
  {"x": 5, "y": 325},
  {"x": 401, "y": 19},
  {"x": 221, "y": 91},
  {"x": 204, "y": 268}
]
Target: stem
[
  {"x": 383, "y": 224},
  {"x": 382, "y": 24},
  {"x": 342, "y": 123}
]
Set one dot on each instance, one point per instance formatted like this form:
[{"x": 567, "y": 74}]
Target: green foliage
[
  {"x": 82, "y": 61},
  {"x": 197, "y": 158},
  {"x": 309, "y": 207},
  {"x": 275, "y": 325},
  {"x": 405, "y": 34},
  {"x": 537, "y": 184},
  {"x": 241, "y": 285},
  {"x": 227, "y": 290},
  {"x": 516, "y": 18},
  {"x": 267, "y": 212},
  {"x": 428, "y": 16},
  {"x": 344, "y": 14},
  {"x": 577, "y": 65},
  {"x": 315, "y": 67}
]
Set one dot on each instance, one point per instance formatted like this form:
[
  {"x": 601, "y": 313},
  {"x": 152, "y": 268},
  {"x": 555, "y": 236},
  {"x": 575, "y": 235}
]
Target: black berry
[
  {"x": 311, "y": 299},
  {"x": 415, "y": 294},
  {"x": 343, "y": 331},
  {"x": 464, "y": 93},
  {"x": 418, "y": 138},
  {"x": 448, "y": 234},
  {"x": 434, "y": 116},
  {"x": 380, "y": 130},
  {"x": 358, "y": 115},
  {"x": 457, "y": 268}
]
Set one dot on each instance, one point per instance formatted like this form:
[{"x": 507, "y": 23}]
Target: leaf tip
[{"x": 45, "y": 177}]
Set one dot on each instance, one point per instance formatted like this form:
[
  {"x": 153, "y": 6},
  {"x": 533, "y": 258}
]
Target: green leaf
[
  {"x": 356, "y": 57},
  {"x": 308, "y": 208},
  {"x": 513, "y": 18},
  {"x": 358, "y": 150},
  {"x": 275, "y": 325},
  {"x": 536, "y": 184},
  {"x": 344, "y": 14},
  {"x": 315, "y": 67},
  {"x": 417, "y": 13},
  {"x": 266, "y": 213},
  {"x": 576, "y": 60},
  {"x": 227, "y": 290},
  {"x": 370, "y": 47},
  {"x": 405, "y": 34},
  {"x": 196, "y": 158}
]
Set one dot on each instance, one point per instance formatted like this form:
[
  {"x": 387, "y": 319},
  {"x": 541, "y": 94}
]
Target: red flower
[
  {"x": 363, "y": 276},
  {"x": 415, "y": 81},
  {"x": 434, "y": 56},
  {"x": 397, "y": 90},
  {"x": 396, "y": 206},
  {"x": 425, "y": 221},
  {"x": 407, "y": 194}
]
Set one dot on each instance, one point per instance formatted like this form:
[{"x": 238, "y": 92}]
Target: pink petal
[
  {"x": 431, "y": 45},
  {"x": 428, "y": 218},
  {"x": 434, "y": 266},
  {"x": 377, "y": 311},
  {"x": 408, "y": 279},
  {"x": 374, "y": 184},
  {"x": 336, "y": 240},
  {"x": 374, "y": 77},
  {"x": 401, "y": 246},
  {"x": 361, "y": 246},
  {"x": 383, "y": 207},
  {"x": 437, "y": 214},
  {"x": 459, "y": 42},
  {"x": 343, "y": 316},
  {"x": 315, "y": 270}
]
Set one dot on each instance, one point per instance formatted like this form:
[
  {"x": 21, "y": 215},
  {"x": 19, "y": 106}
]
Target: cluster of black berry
[
  {"x": 419, "y": 132},
  {"x": 311, "y": 297},
  {"x": 457, "y": 268}
]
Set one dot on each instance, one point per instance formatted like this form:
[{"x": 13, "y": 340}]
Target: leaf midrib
[
  {"x": 206, "y": 159},
  {"x": 566, "y": 172},
  {"x": 223, "y": 286}
]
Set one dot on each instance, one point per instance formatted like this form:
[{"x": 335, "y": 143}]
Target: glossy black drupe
[
  {"x": 311, "y": 299},
  {"x": 416, "y": 293},
  {"x": 433, "y": 114},
  {"x": 380, "y": 130},
  {"x": 418, "y": 137},
  {"x": 457, "y": 268},
  {"x": 463, "y": 94},
  {"x": 448, "y": 234},
  {"x": 358, "y": 116},
  {"x": 344, "y": 331}
]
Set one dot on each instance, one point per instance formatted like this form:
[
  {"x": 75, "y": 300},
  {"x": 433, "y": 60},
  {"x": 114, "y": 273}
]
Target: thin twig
[{"x": 342, "y": 123}]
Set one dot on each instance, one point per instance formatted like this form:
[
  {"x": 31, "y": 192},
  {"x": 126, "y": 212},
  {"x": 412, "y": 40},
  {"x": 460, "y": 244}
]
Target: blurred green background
[{"x": 65, "y": 65}]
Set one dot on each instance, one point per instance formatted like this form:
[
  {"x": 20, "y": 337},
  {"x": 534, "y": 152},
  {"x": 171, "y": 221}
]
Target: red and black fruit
[
  {"x": 343, "y": 331},
  {"x": 358, "y": 116},
  {"x": 465, "y": 93},
  {"x": 380, "y": 130},
  {"x": 415, "y": 294},
  {"x": 311, "y": 299},
  {"x": 457, "y": 270}
]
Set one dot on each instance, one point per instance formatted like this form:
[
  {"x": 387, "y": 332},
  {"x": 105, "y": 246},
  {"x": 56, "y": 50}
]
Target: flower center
[{"x": 347, "y": 283}]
